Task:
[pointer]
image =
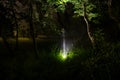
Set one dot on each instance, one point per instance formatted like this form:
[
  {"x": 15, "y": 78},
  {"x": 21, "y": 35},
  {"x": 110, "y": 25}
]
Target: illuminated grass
[{"x": 64, "y": 57}]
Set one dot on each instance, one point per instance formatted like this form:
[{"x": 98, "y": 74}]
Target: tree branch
[{"x": 87, "y": 23}]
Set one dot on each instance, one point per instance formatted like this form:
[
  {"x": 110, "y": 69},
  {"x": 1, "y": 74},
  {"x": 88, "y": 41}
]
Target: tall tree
[
  {"x": 109, "y": 19},
  {"x": 31, "y": 26},
  {"x": 110, "y": 11},
  {"x": 12, "y": 2},
  {"x": 87, "y": 23},
  {"x": 6, "y": 24}
]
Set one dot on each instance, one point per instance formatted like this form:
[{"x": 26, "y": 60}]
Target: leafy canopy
[{"x": 78, "y": 7}]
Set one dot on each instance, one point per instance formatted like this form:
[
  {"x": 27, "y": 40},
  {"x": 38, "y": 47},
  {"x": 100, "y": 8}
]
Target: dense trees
[
  {"x": 89, "y": 30},
  {"x": 48, "y": 17},
  {"x": 108, "y": 20}
]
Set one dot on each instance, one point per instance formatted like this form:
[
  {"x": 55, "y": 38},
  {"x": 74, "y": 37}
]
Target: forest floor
[{"x": 24, "y": 65}]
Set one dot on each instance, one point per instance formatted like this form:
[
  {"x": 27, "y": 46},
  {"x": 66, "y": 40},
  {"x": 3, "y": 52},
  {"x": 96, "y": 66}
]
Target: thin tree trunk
[
  {"x": 16, "y": 24},
  {"x": 6, "y": 44},
  {"x": 113, "y": 17},
  {"x": 31, "y": 28},
  {"x": 110, "y": 12},
  {"x": 87, "y": 24}
]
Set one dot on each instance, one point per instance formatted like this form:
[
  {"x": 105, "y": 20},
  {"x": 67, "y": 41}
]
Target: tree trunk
[
  {"x": 110, "y": 12},
  {"x": 16, "y": 24},
  {"x": 116, "y": 28},
  {"x": 7, "y": 45},
  {"x": 31, "y": 27},
  {"x": 87, "y": 24}
]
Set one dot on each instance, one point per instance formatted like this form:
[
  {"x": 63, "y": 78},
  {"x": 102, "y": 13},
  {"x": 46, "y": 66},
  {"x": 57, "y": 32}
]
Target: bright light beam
[
  {"x": 64, "y": 49},
  {"x": 64, "y": 52}
]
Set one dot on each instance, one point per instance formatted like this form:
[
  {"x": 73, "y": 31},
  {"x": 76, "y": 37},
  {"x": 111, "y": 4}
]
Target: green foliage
[
  {"x": 99, "y": 35},
  {"x": 78, "y": 7},
  {"x": 58, "y": 3},
  {"x": 99, "y": 63},
  {"x": 89, "y": 9}
]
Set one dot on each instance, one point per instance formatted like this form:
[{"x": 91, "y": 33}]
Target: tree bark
[
  {"x": 7, "y": 45},
  {"x": 31, "y": 27},
  {"x": 87, "y": 24},
  {"x": 16, "y": 24},
  {"x": 110, "y": 12}
]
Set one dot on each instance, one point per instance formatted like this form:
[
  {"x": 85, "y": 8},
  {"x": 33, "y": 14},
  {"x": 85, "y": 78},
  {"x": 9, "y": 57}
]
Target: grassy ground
[{"x": 88, "y": 64}]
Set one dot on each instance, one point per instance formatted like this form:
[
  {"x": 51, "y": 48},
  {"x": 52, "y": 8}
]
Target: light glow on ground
[{"x": 63, "y": 57}]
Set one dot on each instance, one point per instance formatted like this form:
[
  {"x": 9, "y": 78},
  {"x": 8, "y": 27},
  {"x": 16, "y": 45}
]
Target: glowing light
[
  {"x": 66, "y": 47},
  {"x": 65, "y": 51},
  {"x": 64, "y": 56}
]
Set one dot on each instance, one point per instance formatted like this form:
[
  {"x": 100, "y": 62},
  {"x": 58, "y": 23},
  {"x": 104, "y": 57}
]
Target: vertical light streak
[{"x": 64, "y": 52}]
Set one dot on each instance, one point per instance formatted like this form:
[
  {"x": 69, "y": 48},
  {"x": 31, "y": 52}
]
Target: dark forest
[{"x": 59, "y": 39}]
